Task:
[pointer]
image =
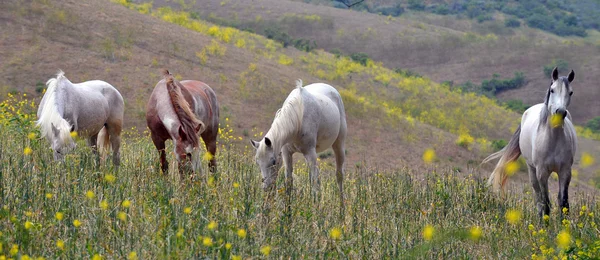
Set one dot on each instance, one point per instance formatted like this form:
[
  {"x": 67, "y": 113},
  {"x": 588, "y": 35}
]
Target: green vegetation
[
  {"x": 561, "y": 64},
  {"x": 594, "y": 124},
  {"x": 492, "y": 86},
  {"x": 564, "y": 18},
  {"x": 75, "y": 209},
  {"x": 516, "y": 105}
]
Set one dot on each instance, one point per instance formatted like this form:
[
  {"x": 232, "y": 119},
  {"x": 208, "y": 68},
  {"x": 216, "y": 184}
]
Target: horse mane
[
  {"x": 190, "y": 123},
  {"x": 288, "y": 119},
  {"x": 48, "y": 113}
]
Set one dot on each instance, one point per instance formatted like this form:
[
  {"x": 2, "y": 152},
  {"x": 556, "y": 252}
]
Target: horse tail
[
  {"x": 103, "y": 143},
  {"x": 51, "y": 123},
  {"x": 508, "y": 154},
  {"x": 190, "y": 123}
]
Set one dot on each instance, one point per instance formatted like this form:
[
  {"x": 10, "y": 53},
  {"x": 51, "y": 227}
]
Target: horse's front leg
[
  {"x": 564, "y": 178},
  {"x": 315, "y": 183},
  {"x": 287, "y": 155},
  {"x": 544, "y": 203}
]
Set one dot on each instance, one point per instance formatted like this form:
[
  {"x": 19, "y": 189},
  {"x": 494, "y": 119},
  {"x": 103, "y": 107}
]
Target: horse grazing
[
  {"x": 180, "y": 111},
  {"x": 93, "y": 109},
  {"x": 311, "y": 120},
  {"x": 546, "y": 138}
]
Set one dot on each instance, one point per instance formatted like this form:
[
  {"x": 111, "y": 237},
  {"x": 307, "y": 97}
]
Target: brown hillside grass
[{"x": 443, "y": 48}]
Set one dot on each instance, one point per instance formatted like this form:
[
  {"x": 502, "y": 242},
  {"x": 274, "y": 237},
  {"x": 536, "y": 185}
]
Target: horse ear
[
  {"x": 268, "y": 142},
  {"x": 571, "y": 76},
  {"x": 255, "y": 144},
  {"x": 555, "y": 74},
  {"x": 54, "y": 129}
]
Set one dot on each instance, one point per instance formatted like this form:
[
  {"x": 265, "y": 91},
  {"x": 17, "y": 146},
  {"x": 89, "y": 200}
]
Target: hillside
[
  {"x": 395, "y": 115},
  {"x": 441, "y": 47}
]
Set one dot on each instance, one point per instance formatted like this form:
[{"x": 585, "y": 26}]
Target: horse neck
[{"x": 287, "y": 125}]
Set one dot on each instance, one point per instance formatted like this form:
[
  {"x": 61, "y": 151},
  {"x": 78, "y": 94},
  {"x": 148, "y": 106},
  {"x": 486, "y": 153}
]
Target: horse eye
[
  {"x": 552, "y": 91},
  {"x": 571, "y": 93}
]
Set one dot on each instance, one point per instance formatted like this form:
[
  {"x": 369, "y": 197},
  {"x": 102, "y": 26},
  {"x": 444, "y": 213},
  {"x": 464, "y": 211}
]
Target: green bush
[
  {"x": 516, "y": 105},
  {"x": 562, "y": 65},
  {"x": 512, "y": 23},
  {"x": 360, "y": 57},
  {"x": 497, "y": 145},
  {"x": 594, "y": 124}
]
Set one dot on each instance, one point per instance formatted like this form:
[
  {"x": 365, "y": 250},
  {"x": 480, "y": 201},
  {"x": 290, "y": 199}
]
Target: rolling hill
[{"x": 393, "y": 118}]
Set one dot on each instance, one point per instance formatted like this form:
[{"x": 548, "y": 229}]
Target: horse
[
  {"x": 547, "y": 139},
  {"x": 311, "y": 120},
  {"x": 92, "y": 109},
  {"x": 179, "y": 111}
]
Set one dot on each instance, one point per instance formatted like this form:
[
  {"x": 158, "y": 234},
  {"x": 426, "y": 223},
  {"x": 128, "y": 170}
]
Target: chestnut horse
[{"x": 180, "y": 111}]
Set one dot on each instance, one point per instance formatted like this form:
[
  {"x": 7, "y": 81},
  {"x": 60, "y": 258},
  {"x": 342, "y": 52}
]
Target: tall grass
[{"x": 76, "y": 209}]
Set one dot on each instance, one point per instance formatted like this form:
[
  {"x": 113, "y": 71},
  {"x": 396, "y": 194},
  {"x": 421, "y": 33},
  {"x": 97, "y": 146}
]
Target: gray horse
[
  {"x": 547, "y": 140},
  {"x": 311, "y": 120},
  {"x": 92, "y": 109}
]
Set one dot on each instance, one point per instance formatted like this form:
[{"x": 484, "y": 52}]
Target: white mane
[
  {"x": 288, "y": 119},
  {"x": 48, "y": 114}
]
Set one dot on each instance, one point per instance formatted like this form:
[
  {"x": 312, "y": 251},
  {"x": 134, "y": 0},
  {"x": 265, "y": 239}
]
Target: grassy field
[{"x": 76, "y": 209}]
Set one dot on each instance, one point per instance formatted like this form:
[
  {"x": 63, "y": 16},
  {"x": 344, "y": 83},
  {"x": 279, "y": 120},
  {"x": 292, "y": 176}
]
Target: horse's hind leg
[
  {"x": 340, "y": 157},
  {"x": 315, "y": 183},
  {"x": 92, "y": 142},
  {"x": 564, "y": 178},
  {"x": 114, "y": 133}
]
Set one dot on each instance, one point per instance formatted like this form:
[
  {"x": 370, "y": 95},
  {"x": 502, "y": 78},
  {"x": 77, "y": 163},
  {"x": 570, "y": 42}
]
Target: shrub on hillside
[
  {"x": 512, "y": 23},
  {"x": 416, "y": 5},
  {"x": 496, "y": 85},
  {"x": 360, "y": 57},
  {"x": 497, "y": 145},
  {"x": 516, "y": 105},
  {"x": 594, "y": 124},
  {"x": 562, "y": 65}
]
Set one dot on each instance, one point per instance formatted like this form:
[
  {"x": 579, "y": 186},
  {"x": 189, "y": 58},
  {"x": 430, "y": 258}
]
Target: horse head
[
  {"x": 60, "y": 144},
  {"x": 559, "y": 94},
  {"x": 268, "y": 162}
]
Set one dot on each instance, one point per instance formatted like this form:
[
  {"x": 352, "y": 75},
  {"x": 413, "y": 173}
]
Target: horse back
[{"x": 203, "y": 101}]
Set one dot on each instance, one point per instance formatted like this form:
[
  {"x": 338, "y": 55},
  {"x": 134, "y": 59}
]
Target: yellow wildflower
[
  {"x": 187, "y": 210},
  {"x": 241, "y": 233},
  {"x": 228, "y": 246},
  {"x": 265, "y": 250},
  {"x": 563, "y": 239},
  {"x": 236, "y": 257},
  {"x": 90, "y": 194},
  {"x": 76, "y": 223},
  {"x": 511, "y": 168},
  {"x": 14, "y": 249},
  {"x": 31, "y": 136},
  {"x": 59, "y": 216},
  {"x": 74, "y": 134},
  {"x": 132, "y": 256},
  {"x": 428, "y": 232},
  {"x": 429, "y": 156},
  {"x": 180, "y": 232},
  {"x": 28, "y": 224},
  {"x": 586, "y": 160},
  {"x": 556, "y": 120},
  {"x": 122, "y": 216},
  {"x": 97, "y": 257},
  {"x": 475, "y": 233},
  {"x": 25, "y": 257},
  {"x": 335, "y": 233},
  {"x": 110, "y": 178},
  {"x": 212, "y": 225},
  {"x": 236, "y": 185},
  {"x": 207, "y": 156},
  {"x": 60, "y": 244},
  {"x": 49, "y": 195},
  {"x": 126, "y": 204},
  {"x": 546, "y": 218},
  {"x": 513, "y": 216},
  {"x": 27, "y": 151},
  {"x": 207, "y": 241},
  {"x": 104, "y": 204}
]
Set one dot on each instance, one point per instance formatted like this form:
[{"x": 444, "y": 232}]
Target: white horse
[
  {"x": 546, "y": 138},
  {"x": 311, "y": 120},
  {"x": 85, "y": 108}
]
